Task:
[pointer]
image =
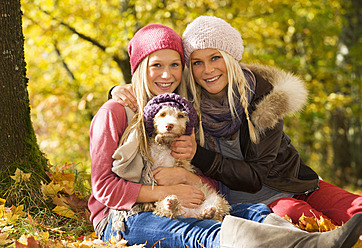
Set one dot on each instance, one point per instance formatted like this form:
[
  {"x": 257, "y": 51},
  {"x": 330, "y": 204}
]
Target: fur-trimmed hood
[{"x": 286, "y": 95}]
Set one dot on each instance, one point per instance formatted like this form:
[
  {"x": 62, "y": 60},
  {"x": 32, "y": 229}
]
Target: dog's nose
[{"x": 169, "y": 127}]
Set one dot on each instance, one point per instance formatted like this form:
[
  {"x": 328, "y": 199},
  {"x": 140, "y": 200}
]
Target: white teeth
[
  {"x": 212, "y": 79},
  {"x": 163, "y": 84}
]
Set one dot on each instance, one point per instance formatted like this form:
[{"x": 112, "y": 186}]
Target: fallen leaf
[
  {"x": 325, "y": 225},
  {"x": 20, "y": 176},
  {"x": 65, "y": 211},
  {"x": 4, "y": 240},
  {"x": 7, "y": 229},
  {"x": 75, "y": 201},
  {"x": 86, "y": 244},
  {"x": 50, "y": 190},
  {"x": 18, "y": 210},
  {"x": 286, "y": 217},
  {"x": 30, "y": 242},
  {"x": 66, "y": 180},
  {"x": 60, "y": 201},
  {"x": 45, "y": 236},
  {"x": 308, "y": 224}
]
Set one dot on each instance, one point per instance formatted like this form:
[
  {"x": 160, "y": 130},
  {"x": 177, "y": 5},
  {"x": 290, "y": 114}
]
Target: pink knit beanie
[
  {"x": 151, "y": 38},
  {"x": 212, "y": 32}
]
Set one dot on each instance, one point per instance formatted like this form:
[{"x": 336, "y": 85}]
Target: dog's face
[{"x": 170, "y": 121}]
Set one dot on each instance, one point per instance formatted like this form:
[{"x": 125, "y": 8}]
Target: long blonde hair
[
  {"x": 236, "y": 78},
  {"x": 143, "y": 95}
]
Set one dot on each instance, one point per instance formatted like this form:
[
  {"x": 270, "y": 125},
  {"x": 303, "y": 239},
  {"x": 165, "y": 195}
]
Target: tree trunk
[
  {"x": 18, "y": 146},
  {"x": 346, "y": 129},
  {"x": 341, "y": 147}
]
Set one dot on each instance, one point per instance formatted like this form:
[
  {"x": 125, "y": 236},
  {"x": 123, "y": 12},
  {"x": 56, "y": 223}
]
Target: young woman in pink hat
[{"x": 241, "y": 142}]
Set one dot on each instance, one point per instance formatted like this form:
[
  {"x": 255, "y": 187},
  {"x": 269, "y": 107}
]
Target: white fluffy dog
[{"x": 169, "y": 123}]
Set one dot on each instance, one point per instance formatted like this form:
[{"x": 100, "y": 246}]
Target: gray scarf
[{"x": 217, "y": 120}]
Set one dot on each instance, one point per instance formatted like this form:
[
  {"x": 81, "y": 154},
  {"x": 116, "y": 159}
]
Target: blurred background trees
[{"x": 76, "y": 50}]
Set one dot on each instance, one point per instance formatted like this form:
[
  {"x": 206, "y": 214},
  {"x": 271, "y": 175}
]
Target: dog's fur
[{"x": 170, "y": 123}]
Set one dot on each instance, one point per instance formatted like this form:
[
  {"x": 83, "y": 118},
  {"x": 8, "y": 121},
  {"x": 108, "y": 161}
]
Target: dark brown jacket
[{"x": 274, "y": 161}]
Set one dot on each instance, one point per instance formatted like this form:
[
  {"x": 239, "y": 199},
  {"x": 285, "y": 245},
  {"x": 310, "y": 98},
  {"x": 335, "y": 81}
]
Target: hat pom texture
[
  {"x": 212, "y": 32},
  {"x": 173, "y": 100}
]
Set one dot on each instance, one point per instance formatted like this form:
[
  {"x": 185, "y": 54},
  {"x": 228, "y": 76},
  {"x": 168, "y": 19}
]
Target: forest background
[{"x": 76, "y": 50}]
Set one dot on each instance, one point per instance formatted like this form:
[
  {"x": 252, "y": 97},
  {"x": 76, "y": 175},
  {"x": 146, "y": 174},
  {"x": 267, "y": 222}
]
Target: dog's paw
[
  {"x": 169, "y": 207},
  {"x": 208, "y": 212},
  {"x": 171, "y": 203},
  {"x": 159, "y": 139}
]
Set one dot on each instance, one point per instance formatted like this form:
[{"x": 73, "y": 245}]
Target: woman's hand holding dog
[
  {"x": 189, "y": 196},
  {"x": 166, "y": 176},
  {"x": 184, "y": 146}
]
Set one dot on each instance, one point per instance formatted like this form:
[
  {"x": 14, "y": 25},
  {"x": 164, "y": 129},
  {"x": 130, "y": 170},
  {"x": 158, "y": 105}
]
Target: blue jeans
[{"x": 181, "y": 232}]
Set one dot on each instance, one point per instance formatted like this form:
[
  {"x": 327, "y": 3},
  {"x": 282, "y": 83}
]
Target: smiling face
[
  {"x": 164, "y": 71},
  {"x": 210, "y": 72}
]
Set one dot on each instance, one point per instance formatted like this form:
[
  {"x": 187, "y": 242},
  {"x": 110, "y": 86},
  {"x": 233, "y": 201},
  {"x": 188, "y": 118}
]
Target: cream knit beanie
[{"x": 212, "y": 32}]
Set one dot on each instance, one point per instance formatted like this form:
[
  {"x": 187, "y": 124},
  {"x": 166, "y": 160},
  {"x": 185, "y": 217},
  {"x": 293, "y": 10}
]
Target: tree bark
[
  {"x": 347, "y": 147},
  {"x": 18, "y": 146}
]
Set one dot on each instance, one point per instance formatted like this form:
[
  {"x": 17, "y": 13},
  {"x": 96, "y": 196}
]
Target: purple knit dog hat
[{"x": 173, "y": 100}]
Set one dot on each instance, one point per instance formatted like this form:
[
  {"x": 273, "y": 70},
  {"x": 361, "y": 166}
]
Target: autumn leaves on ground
[{"x": 67, "y": 223}]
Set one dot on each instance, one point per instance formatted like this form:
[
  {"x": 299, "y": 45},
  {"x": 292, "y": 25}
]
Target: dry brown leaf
[
  {"x": 65, "y": 211},
  {"x": 4, "y": 239},
  {"x": 30, "y": 242},
  {"x": 21, "y": 176},
  {"x": 288, "y": 218},
  {"x": 308, "y": 224},
  {"x": 326, "y": 225},
  {"x": 65, "y": 180},
  {"x": 312, "y": 224},
  {"x": 51, "y": 189}
]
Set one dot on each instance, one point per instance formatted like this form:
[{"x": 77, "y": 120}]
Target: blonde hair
[
  {"x": 143, "y": 95},
  {"x": 236, "y": 78}
]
